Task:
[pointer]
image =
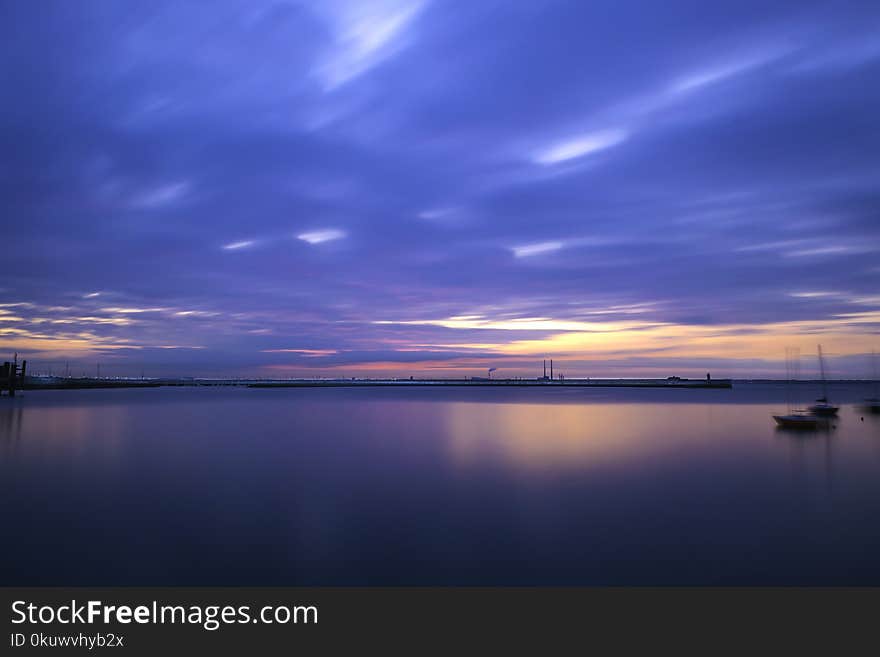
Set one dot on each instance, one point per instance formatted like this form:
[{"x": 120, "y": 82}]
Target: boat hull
[{"x": 800, "y": 421}]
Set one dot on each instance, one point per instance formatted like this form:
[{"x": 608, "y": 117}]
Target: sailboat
[
  {"x": 822, "y": 406},
  {"x": 800, "y": 420},
  {"x": 796, "y": 419}
]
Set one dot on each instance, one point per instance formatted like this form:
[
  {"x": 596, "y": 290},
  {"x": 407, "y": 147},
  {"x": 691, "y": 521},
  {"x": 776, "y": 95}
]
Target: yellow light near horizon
[
  {"x": 59, "y": 347},
  {"x": 601, "y": 340}
]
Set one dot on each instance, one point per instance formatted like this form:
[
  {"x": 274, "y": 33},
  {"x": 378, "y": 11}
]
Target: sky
[{"x": 436, "y": 188}]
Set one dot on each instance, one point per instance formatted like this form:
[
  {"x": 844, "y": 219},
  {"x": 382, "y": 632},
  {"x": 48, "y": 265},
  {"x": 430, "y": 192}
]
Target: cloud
[
  {"x": 814, "y": 294},
  {"x": 365, "y": 34},
  {"x": 500, "y": 175},
  {"x": 321, "y": 236},
  {"x": 830, "y": 250},
  {"x": 132, "y": 311},
  {"x": 720, "y": 72},
  {"x": 242, "y": 244},
  {"x": 303, "y": 352},
  {"x": 161, "y": 196},
  {"x": 538, "y": 248},
  {"x": 581, "y": 145}
]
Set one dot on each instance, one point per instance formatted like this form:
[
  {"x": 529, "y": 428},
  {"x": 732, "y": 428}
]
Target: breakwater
[{"x": 47, "y": 383}]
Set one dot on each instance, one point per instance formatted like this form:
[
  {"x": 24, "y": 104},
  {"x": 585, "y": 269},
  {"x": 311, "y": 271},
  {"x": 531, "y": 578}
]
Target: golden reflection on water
[
  {"x": 522, "y": 436},
  {"x": 552, "y": 435},
  {"x": 578, "y": 436}
]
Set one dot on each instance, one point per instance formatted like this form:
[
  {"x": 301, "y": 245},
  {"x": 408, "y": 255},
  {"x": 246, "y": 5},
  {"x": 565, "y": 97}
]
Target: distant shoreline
[
  {"x": 86, "y": 383},
  {"x": 498, "y": 383},
  {"x": 40, "y": 383}
]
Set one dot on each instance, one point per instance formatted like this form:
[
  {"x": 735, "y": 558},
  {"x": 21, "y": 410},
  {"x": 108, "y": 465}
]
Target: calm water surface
[{"x": 435, "y": 486}]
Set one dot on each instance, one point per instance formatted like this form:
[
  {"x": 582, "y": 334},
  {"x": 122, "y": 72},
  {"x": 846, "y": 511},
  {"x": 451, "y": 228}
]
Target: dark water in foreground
[{"x": 434, "y": 486}]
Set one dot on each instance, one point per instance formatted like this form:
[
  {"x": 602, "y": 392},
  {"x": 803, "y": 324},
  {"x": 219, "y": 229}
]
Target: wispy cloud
[
  {"x": 132, "y": 310},
  {"x": 161, "y": 196},
  {"x": 580, "y": 146},
  {"x": 365, "y": 34},
  {"x": 850, "y": 333},
  {"x": 731, "y": 67},
  {"x": 538, "y": 248},
  {"x": 303, "y": 352},
  {"x": 321, "y": 236},
  {"x": 243, "y": 244},
  {"x": 830, "y": 250},
  {"x": 521, "y": 324},
  {"x": 809, "y": 247},
  {"x": 814, "y": 294}
]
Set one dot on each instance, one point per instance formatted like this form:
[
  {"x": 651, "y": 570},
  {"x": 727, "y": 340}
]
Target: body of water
[{"x": 174, "y": 486}]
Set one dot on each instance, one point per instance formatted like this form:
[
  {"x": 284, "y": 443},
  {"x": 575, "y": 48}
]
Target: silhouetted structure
[{"x": 12, "y": 376}]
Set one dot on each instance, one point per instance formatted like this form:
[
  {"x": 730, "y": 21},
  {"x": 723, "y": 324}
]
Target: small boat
[
  {"x": 800, "y": 420},
  {"x": 822, "y": 407}
]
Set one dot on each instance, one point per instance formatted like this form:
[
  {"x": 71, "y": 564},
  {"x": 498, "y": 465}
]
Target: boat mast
[
  {"x": 789, "y": 373},
  {"x": 822, "y": 370}
]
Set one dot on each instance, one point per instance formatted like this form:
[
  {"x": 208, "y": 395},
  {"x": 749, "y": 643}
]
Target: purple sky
[{"x": 439, "y": 187}]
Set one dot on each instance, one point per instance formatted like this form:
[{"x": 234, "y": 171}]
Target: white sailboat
[
  {"x": 822, "y": 406},
  {"x": 796, "y": 418}
]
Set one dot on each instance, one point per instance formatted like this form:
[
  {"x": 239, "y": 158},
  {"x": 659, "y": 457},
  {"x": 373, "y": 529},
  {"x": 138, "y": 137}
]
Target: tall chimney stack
[
  {"x": 551, "y": 368},
  {"x": 545, "y": 369}
]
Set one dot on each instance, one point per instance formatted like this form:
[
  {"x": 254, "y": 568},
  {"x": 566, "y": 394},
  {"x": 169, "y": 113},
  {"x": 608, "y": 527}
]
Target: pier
[
  {"x": 47, "y": 383},
  {"x": 497, "y": 383},
  {"x": 547, "y": 379}
]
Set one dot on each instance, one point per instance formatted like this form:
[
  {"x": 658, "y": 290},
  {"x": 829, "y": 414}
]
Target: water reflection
[
  {"x": 540, "y": 436},
  {"x": 10, "y": 425},
  {"x": 808, "y": 447},
  {"x": 81, "y": 436},
  {"x": 433, "y": 487}
]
